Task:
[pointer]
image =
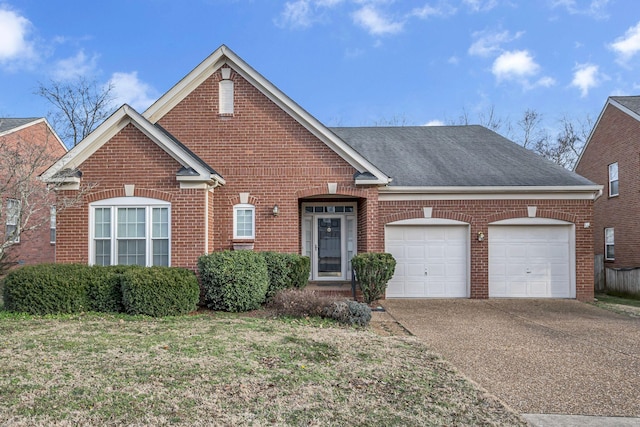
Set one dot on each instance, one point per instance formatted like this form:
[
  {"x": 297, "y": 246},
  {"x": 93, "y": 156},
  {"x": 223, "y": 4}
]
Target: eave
[{"x": 572, "y": 192}]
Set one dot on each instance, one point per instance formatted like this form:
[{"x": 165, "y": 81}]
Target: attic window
[{"x": 225, "y": 89}]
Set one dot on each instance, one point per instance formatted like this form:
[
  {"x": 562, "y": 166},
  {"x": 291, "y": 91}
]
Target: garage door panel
[
  {"x": 530, "y": 261},
  {"x": 441, "y": 251}
]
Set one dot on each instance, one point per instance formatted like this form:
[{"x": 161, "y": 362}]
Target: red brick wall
[
  {"x": 616, "y": 139},
  {"x": 479, "y": 213},
  {"x": 154, "y": 175},
  {"x": 34, "y": 246},
  {"x": 260, "y": 150}
]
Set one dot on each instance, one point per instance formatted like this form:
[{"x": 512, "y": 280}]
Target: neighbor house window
[
  {"x": 244, "y": 221},
  {"x": 52, "y": 224},
  {"x": 130, "y": 231},
  {"x": 613, "y": 179},
  {"x": 12, "y": 228},
  {"x": 609, "y": 244}
]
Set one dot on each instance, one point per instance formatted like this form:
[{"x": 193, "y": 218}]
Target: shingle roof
[
  {"x": 454, "y": 156},
  {"x": 12, "y": 123},
  {"x": 631, "y": 102}
]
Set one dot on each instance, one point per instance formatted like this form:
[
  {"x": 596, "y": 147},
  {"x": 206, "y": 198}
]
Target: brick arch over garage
[
  {"x": 419, "y": 213},
  {"x": 540, "y": 213},
  {"x": 138, "y": 192}
]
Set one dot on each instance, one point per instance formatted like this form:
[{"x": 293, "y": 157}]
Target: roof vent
[{"x": 225, "y": 93}]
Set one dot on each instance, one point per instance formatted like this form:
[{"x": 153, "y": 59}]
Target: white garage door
[
  {"x": 530, "y": 261},
  {"x": 431, "y": 261}
]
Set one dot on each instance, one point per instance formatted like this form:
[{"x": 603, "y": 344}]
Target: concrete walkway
[{"x": 538, "y": 356}]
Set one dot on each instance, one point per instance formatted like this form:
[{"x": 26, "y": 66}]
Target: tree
[
  {"x": 23, "y": 157},
  {"x": 80, "y": 105}
]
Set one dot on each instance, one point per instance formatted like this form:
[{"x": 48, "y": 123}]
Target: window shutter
[{"x": 226, "y": 96}]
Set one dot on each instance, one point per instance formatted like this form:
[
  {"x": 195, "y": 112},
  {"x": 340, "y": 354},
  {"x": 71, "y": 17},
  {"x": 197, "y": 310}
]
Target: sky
[{"x": 347, "y": 62}]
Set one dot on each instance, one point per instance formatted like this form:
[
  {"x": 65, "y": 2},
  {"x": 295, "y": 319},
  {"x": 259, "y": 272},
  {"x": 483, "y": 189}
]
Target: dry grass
[{"x": 226, "y": 370}]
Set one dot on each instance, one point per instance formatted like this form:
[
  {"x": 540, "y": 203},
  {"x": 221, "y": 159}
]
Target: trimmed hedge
[
  {"x": 159, "y": 291},
  {"x": 373, "y": 271},
  {"x": 47, "y": 289},
  {"x": 286, "y": 271},
  {"x": 74, "y": 288},
  {"x": 300, "y": 270},
  {"x": 233, "y": 280}
]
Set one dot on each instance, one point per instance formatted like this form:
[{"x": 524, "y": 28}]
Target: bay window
[{"x": 130, "y": 231}]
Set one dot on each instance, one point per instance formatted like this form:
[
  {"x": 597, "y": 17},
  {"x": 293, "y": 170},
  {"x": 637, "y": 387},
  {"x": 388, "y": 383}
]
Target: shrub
[
  {"x": 159, "y": 291},
  {"x": 233, "y": 280},
  {"x": 279, "y": 272},
  {"x": 348, "y": 313},
  {"x": 47, "y": 289},
  {"x": 373, "y": 271},
  {"x": 105, "y": 288},
  {"x": 300, "y": 303},
  {"x": 300, "y": 269}
]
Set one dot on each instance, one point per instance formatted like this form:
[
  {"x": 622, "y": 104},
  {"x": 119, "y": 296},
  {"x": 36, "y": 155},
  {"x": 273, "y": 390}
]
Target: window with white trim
[
  {"x": 12, "y": 223},
  {"x": 613, "y": 179},
  {"x": 52, "y": 224},
  {"x": 244, "y": 221},
  {"x": 609, "y": 240},
  {"x": 130, "y": 231}
]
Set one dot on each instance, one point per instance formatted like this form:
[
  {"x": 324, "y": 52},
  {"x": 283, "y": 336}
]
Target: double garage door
[{"x": 525, "y": 261}]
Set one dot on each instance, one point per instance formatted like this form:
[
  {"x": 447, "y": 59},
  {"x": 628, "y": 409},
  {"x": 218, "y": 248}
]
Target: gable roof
[
  {"x": 455, "y": 156},
  {"x": 629, "y": 105},
  {"x": 9, "y": 125},
  {"x": 193, "y": 169},
  {"x": 223, "y": 55}
]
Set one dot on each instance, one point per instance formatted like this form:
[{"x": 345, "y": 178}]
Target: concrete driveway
[{"x": 538, "y": 356}]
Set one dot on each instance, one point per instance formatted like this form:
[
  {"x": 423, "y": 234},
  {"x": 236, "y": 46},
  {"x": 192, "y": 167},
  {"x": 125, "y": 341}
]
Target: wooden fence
[
  {"x": 598, "y": 273},
  {"x": 624, "y": 280}
]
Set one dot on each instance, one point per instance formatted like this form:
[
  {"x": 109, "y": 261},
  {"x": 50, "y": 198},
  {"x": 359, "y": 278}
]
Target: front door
[
  {"x": 329, "y": 261},
  {"x": 328, "y": 238}
]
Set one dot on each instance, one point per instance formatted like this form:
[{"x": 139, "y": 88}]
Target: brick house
[
  {"x": 225, "y": 160},
  {"x": 611, "y": 158},
  {"x": 27, "y": 143}
]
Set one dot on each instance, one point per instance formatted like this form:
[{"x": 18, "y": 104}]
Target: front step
[{"x": 341, "y": 288}]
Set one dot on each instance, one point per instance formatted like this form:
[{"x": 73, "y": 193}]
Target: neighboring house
[
  {"x": 225, "y": 160},
  {"x": 27, "y": 147},
  {"x": 611, "y": 157}
]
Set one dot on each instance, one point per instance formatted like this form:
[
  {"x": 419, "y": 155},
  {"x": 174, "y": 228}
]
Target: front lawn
[{"x": 223, "y": 369}]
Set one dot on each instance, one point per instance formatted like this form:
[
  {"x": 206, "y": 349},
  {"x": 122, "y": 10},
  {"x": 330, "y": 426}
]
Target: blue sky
[{"x": 347, "y": 62}]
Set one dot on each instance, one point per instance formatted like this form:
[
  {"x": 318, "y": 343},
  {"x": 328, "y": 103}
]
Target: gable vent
[{"x": 225, "y": 90}]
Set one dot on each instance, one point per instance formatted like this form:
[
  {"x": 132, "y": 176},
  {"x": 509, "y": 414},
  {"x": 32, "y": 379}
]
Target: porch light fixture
[
  {"x": 276, "y": 210},
  {"x": 480, "y": 236}
]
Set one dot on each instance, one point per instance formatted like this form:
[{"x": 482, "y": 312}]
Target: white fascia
[{"x": 574, "y": 192}]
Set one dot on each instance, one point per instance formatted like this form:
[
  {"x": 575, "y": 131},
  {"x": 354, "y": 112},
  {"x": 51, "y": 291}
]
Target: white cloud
[
  {"x": 434, "y": 122},
  {"x": 628, "y": 45},
  {"x": 14, "y": 32},
  {"x": 596, "y": 8},
  {"x": 75, "y": 66},
  {"x": 304, "y": 13},
  {"x": 480, "y": 5},
  {"x": 427, "y": 10},
  {"x": 488, "y": 43},
  {"x": 585, "y": 77},
  {"x": 375, "y": 22},
  {"x": 129, "y": 89},
  {"x": 515, "y": 64},
  {"x": 520, "y": 67}
]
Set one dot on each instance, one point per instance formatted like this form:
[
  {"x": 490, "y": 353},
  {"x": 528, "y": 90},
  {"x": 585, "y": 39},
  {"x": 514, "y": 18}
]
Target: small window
[
  {"x": 244, "y": 221},
  {"x": 609, "y": 244},
  {"x": 52, "y": 225},
  {"x": 12, "y": 228},
  {"x": 613, "y": 179}
]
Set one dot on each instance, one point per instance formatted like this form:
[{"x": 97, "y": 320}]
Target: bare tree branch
[{"x": 79, "y": 107}]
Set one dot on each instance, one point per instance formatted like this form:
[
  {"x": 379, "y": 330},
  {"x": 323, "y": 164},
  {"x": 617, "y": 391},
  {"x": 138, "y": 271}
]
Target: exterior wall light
[
  {"x": 480, "y": 236},
  {"x": 276, "y": 210}
]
